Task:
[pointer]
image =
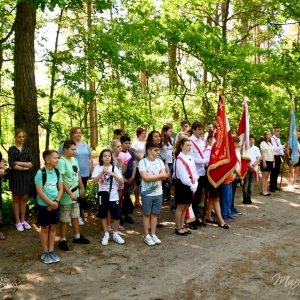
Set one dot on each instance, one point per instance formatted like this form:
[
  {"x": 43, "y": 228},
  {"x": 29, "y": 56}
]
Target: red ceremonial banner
[{"x": 223, "y": 159}]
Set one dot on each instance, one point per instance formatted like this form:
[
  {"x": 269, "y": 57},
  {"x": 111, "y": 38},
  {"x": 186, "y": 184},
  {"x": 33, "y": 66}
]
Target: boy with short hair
[
  {"x": 152, "y": 171},
  {"x": 130, "y": 170},
  {"x": 73, "y": 188},
  {"x": 49, "y": 188},
  {"x": 196, "y": 152}
]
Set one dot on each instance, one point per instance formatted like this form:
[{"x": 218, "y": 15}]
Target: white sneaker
[
  {"x": 70, "y": 222},
  {"x": 155, "y": 239},
  {"x": 148, "y": 240},
  {"x": 118, "y": 239},
  {"x": 290, "y": 187},
  {"x": 80, "y": 221},
  {"x": 105, "y": 240}
]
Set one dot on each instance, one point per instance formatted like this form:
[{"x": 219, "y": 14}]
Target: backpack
[{"x": 44, "y": 175}]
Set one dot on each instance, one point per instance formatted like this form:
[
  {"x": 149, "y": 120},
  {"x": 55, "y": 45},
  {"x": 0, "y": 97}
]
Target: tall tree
[{"x": 26, "y": 112}]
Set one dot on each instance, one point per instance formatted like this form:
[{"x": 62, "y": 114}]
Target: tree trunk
[
  {"x": 93, "y": 107},
  {"x": 26, "y": 113},
  {"x": 173, "y": 75},
  {"x": 225, "y": 12}
]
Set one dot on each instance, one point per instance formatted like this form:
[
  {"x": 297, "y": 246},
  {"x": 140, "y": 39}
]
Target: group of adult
[
  {"x": 272, "y": 157},
  {"x": 191, "y": 145}
]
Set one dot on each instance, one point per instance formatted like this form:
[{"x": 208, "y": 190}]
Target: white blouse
[
  {"x": 181, "y": 170},
  {"x": 268, "y": 149}
]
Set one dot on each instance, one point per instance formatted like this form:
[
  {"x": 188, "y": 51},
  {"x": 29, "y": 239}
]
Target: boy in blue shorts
[
  {"x": 49, "y": 188},
  {"x": 73, "y": 187},
  {"x": 152, "y": 171}
]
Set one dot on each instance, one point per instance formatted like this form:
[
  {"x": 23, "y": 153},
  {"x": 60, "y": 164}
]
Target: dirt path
[{"x": 257, "y": 258}]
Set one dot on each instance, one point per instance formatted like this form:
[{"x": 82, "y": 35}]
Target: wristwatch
[{"x": 56, "y": 201}]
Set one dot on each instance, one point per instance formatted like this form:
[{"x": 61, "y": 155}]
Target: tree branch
[{"x": 9, "y": 34}]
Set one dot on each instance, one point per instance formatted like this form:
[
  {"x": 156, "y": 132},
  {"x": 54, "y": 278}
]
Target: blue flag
[{"x": 293, "y": 139}]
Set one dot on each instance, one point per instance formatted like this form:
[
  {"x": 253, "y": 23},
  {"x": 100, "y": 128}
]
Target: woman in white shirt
[
  {"x": 186, "y": 179},
  {"x": 267, "y": 162},
  {"x": 138, "y": 147}
]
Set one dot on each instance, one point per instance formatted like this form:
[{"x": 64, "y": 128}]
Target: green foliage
[
  {"x": 7, "y": 214},
  {"x": 247, "y": 47},
  {"x": 91, "y": 191}
]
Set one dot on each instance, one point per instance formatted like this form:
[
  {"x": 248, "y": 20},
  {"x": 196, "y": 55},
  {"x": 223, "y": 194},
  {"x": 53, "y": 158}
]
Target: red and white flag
[
  {"x": 223, "y": 159},
  {"x": 243, "y": 133}
]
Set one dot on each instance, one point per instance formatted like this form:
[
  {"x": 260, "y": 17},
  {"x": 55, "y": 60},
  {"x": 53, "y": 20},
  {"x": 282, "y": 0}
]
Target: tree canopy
[{"x": 113, "y": 64}]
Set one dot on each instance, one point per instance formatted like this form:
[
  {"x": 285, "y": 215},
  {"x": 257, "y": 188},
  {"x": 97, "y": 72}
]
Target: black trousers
[
  {"x": 234, "y": 185},
  {"x": 198, "y": 194},
  {"x": 275, "y": 172}
]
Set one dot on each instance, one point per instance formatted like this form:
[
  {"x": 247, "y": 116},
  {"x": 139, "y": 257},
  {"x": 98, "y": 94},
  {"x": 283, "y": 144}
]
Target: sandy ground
[{"x": 257, "y": 258}]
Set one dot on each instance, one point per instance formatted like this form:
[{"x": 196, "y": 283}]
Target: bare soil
[{"x": 257, "y": 258}]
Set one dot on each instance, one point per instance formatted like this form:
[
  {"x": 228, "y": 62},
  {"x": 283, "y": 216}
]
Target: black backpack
[{"x": 44, "y": 175}]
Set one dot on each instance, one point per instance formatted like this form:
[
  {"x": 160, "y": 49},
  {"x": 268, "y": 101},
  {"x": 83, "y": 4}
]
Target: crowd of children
[{"x": 147, "y": 168}]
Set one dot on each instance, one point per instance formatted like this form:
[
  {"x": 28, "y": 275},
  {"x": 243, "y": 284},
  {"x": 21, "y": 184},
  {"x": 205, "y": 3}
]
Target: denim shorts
[
  {"x": 151, "y": 204},
  {"x": 45, "y": 217}
]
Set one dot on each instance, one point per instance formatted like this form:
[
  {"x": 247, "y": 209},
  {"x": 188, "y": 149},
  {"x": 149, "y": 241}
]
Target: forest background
[{"x": 121, "y": 64}]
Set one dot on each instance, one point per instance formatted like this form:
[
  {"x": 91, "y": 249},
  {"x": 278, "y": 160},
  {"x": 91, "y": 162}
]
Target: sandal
[
  {"x": 211, "y": 221},
  {"x": 2, "y": 236},
  {"x": 180, "y": 233},
  {"x": 186, "y": 230},
  {"x": 121, "y": 228}
]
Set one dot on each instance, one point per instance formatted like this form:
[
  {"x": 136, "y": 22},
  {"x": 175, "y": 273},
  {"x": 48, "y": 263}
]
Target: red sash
[
  {"x": 275, "y": 139},
  {"x": 197, "y": 148},
  {"x": 188, "y": 169}
]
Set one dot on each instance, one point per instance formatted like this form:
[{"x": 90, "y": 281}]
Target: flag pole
[
  {"x": 287, "y": 138},
  {"x": 207, "y": 182}
]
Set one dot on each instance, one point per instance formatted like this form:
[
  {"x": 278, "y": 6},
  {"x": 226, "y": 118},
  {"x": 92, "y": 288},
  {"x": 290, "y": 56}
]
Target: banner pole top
[{"x": 221, "y": 90}]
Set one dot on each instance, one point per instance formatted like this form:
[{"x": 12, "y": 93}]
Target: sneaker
[
  {"x": 80, "y": 221},
  {"x": 118, "y": 239},
  {"x": 54, "y": 257},
  {"x": 26, "y": 225},
  {"x": 232, "y": 214},
  {"x": 230, "y": 218},
  {"x": 166, "y": 201},
  {"x": 105, "y": 240},
  {"x": 46, "y": 258},
  {"x": 19, "y": 227},
  {"x": 62, "y": 245},
  {"x": 226, "y": 219},
  {"x": 81, "y": 240},
  {"x": 148, "y": 240},
  {"x": 155, "y": 239},
  {"x": 70, "y": 222},
  {"x": 129, "y": 220},
  {"x": 234, "y": 210}
]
